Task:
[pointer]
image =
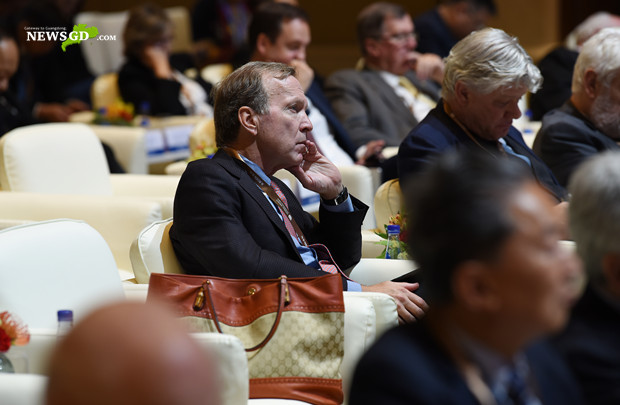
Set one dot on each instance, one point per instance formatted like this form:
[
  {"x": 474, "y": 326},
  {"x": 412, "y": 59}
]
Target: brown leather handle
[{"x": 284, "y": 297}]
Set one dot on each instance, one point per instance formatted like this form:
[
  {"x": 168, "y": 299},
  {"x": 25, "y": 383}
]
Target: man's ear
[
  {"x": 248, "y": 119},
  {"x": 473, "y": 288},
  {"x": 371, "y": 46},
  {"x": 591, "y": 86},
  {"x": 461, "y": 93},
  {"x": 611, "y": 271},
  {"x": 263, "y": 43}
]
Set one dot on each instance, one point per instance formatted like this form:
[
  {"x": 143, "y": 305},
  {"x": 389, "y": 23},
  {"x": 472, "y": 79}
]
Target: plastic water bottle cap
[
  {"x": 65, "y": 315},
  {"x": 393, "y": 228}
]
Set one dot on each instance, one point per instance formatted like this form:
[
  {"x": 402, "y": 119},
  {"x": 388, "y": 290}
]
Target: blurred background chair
[
  {"x": 67, "y": 158},
  {"x": 387, "y": 202},
  {"x": 104, "y": 90}
]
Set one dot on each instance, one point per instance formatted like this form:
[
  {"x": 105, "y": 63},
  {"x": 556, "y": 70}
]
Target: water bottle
[
  {"x": 145, "y": 111},
  {"x": 392, "y": 249},
  {"x": 65, "y": 322}
]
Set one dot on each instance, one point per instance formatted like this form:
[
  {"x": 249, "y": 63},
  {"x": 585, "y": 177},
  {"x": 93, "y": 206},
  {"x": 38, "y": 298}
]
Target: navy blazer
[
  {"x": 566, "y": 138},
  {"x": 224, "y": 226},
  {"x": 407, "y": 366},
  {"x": 591, "y": 346},
  {"x": 316, "y": 95},
  {"x": 438, "y": 133}
]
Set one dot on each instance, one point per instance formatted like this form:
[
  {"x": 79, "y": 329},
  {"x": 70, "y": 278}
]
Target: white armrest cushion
[
  {"x": 22, "y": 389},
  {"x": 158, "y": 188},
  {"x": 118, "y": 219},
  {"x": 374, "y": 271},
  {"x": 231, "y": 366},
  {"x": 371, "y": 248},
  {"x": 359, "y": 333}
]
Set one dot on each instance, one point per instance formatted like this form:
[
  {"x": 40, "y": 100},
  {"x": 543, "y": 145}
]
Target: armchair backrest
[
  {"x": 52, "y": 265},
  {"x": 152, "y": 252},
  {"x": 388, "y": 202},
  {"x": 56, "y": 158},
  {"x": 104, "y": 90}
]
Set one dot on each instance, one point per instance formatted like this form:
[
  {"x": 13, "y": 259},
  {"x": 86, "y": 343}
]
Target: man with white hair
[
  {"x": 486, "y": 75},
  {"x": 557, "y": 66},
  {"x": 590, "y": 342},
  {"x": 589, "y": 122}
]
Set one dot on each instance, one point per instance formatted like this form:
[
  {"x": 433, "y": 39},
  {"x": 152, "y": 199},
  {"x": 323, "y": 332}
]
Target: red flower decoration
[{"x": 5, "y": 341}]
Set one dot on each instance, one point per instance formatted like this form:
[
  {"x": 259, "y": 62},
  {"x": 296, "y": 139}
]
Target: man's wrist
[{"x": 339, "y": 199}]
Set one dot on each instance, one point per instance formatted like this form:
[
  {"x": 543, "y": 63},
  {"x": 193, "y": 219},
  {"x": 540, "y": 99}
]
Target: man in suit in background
[
  {"x": 590, "y": 342},
  {"x": 389, "y": 95},
  {"x": 440, "y": 28},
  {"x": 589, "y": 122},
  {"x": 486, "y": 75},
  {"x": 281, "y": 33},
  {"x": 496, "y": 280},
  {"x": 233, "y": 219}
]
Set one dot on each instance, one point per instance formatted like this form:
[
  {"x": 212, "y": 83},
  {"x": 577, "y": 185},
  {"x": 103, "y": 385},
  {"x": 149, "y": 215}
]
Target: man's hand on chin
[{"x": 317, "y": 173}]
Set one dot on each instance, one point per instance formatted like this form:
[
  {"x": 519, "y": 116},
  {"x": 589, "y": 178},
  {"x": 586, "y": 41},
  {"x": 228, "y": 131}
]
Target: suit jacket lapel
[
  {"x": 386, "y": 93},
  {"x": 250, "y": 187}
]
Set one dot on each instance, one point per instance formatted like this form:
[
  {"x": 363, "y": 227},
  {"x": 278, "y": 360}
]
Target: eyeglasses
[{"x": 402, "y": 37}]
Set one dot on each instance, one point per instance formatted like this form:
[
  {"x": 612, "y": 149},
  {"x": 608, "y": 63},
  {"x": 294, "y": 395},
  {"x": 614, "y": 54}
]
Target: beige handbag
[{"x": 293, "y": 329}]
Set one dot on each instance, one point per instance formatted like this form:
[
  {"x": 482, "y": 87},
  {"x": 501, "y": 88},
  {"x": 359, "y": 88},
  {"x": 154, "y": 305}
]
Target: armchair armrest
[{"x": 158, "y": 188}]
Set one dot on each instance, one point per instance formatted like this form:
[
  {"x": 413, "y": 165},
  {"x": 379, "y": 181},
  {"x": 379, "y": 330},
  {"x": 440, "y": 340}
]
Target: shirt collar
[{"x": 256, "y": 169}]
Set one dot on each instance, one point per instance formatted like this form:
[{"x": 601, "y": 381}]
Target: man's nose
[{"x": 306, "y": 124}]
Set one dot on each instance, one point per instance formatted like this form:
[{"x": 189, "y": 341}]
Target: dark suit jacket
[
  {"x": 567, "y": 138},
  {"x": 407, "y": 366},
  {"x": 434, "y": 36},
  {"x": 12, "y": 113},
  {"x": 224, "y": 226},
  {"x": 368, "y": 107},
  {"x": 591, "y": 346},
  {"x": 316, "y": 95},
  {"x": 438, "y": 133},
  {"x": 138, "y": 85},
  {"x": 557, "y": 72}
]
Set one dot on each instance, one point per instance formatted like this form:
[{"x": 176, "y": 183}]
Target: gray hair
[
  {"x": 601, "y": 53},
  {"x": 371, "y": 19},
  {"x": 594, "y": 210},
  {"x": 488, "y": 59},
  {"x": 243, "y": 88}
]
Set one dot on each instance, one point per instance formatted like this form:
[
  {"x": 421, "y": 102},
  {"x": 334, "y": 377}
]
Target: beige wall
[{"x": 535, "y": 22}]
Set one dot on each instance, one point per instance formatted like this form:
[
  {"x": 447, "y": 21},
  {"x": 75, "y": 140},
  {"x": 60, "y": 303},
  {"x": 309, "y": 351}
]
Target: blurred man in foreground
[{"x": 496, "y": 280}]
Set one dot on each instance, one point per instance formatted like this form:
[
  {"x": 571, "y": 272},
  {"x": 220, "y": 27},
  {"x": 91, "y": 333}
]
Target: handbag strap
[{"x": 283, "y": 300}]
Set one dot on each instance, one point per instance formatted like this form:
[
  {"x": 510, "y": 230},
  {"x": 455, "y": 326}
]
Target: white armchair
[
  {"x": 67, "y": 158},
  {"x": 118, "y": 220},
  {"x": 52, "y": 265}
]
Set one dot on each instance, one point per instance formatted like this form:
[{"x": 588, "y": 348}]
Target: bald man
[{"x": 130, "y": 354}]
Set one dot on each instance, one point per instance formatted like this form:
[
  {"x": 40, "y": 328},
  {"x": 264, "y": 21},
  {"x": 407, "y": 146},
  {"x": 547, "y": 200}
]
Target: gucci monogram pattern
[{"x": 304, "y": 345}]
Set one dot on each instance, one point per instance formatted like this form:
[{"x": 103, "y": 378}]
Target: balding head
[{"x": 130, "y": 354}]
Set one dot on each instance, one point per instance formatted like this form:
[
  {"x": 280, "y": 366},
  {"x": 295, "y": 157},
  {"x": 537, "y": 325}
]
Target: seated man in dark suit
[
  {"x": 440, "y": 28},
  {"x": 496, "y": 280},
  {"x": 558, "y": 65},
  {"x": 394, "y": 87},
  {"x": 280, "y": 32},
  {"x": 486, "y": 75},
  {"x": 590, "y": 342},
  {"x": 233, "y": 219},
  {"x": 589, "y": 122}
]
